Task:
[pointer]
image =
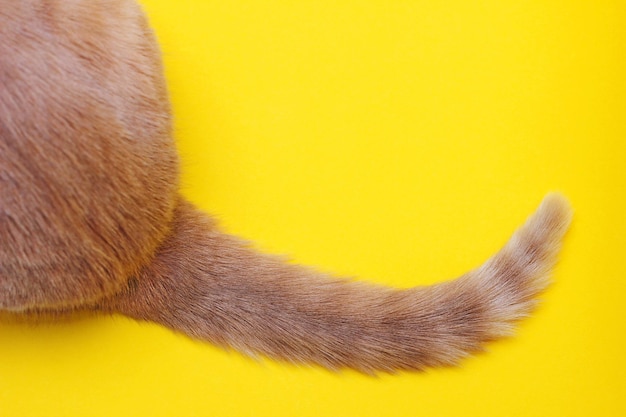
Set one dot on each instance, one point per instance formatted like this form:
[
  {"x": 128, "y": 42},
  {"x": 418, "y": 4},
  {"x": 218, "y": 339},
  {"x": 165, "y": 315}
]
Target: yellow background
[{"x": 398, "y": 141}]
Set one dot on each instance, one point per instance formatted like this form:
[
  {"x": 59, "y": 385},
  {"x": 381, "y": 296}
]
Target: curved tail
[{"x": 211, "y": 286}]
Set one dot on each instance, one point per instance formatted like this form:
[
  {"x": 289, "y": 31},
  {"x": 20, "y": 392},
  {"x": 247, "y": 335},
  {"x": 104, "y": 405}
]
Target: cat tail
[{"x": 213, "y": 287}]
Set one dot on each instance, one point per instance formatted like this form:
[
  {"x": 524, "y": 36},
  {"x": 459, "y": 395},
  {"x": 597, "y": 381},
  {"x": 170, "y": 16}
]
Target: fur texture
[{"x": 90, "y": 218}]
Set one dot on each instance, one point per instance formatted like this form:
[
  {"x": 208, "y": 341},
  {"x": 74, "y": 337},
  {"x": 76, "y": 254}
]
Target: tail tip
[{"x": 556, "y": 211}]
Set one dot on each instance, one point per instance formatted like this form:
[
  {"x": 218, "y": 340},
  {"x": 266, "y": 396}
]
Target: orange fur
[{"x": 91, "y": 218}]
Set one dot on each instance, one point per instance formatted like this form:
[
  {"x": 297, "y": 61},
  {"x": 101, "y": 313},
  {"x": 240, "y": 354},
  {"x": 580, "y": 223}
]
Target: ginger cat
[{"x": 91, "y": 218}]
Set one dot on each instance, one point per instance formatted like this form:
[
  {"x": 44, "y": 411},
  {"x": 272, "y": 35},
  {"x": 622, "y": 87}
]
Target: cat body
[
  {"x": 88, "y": 166},
  {"x": 91, "y": 218}
]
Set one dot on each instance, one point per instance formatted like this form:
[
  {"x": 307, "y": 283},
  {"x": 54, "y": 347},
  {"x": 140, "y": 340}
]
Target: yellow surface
[{"x": 400, "y": 141}]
